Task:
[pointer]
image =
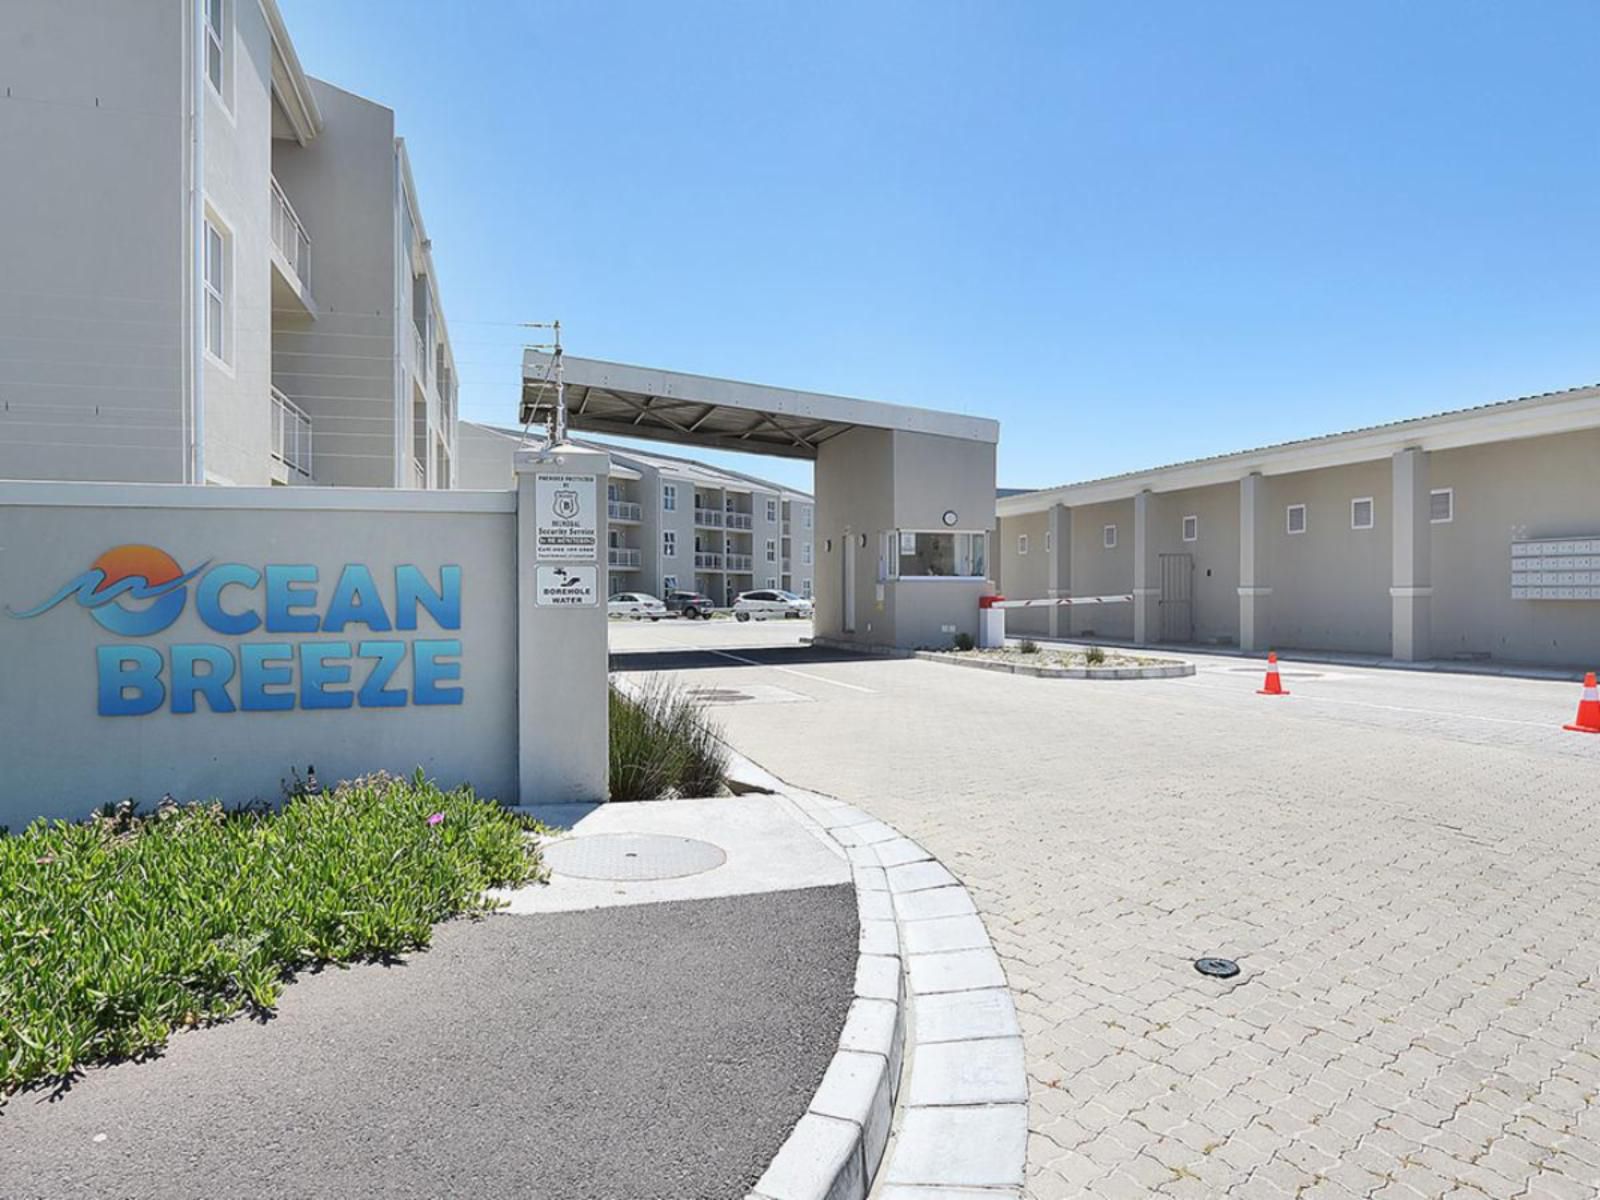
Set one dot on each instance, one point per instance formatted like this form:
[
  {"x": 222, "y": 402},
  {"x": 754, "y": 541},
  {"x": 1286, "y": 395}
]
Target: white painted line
[
  {"x": 750, "y": 662},
  {"x": 1399, "y": 708}
]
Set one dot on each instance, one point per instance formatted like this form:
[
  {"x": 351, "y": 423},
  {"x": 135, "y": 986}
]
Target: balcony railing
[
  {"x": 709, "y": 517},
  {"x": 291, "y": 435},
  {"x": 738, "y": 562},
  {"x": 419, "y": 473},
  {"x": 737, "y": 520},
  {"x": 707, "y": 562},
  {"x": 623, "y": 510},
  {"x": 419, "y": 352},
  {"x": 290, "y": 236},
  {"x": 622, "y": 556},
  {"x": 786, "y": 525}
]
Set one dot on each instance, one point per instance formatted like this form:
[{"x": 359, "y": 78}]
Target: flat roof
[{"x": 700, "y": 410}]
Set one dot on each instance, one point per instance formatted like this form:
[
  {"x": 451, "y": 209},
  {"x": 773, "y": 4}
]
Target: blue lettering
[
  {"x": 213, "y": 681},
  {"x": 129, "y": 668},
  {"x": 208, "y": 598},
  {"x": 373, "y": 692},
  {"x": 410, "y": 589},
  {"x": 428, "y": 670},
  {"x": 316, "y": 674},
  {"x": 283, "y": 599},
  {"x": 255, "y": 675},
  {"x": 355, "y": 598}
]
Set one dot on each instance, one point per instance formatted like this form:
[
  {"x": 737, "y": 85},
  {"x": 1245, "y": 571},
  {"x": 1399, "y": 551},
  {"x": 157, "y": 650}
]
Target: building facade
[
  {"x": 216, "y": 266},
  {"x": 1472, "y": 535},
  {"x": 676, "y": 523}
]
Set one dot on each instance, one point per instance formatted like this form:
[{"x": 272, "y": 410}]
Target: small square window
[
  {"x": 1191, "y": 529},
  {"x": 772, "y": 550},
  {"x": 1296, "y": 518},
  {"x": 771, "y": 582},
  {"x": 772, "y": 510},
  {"x": 805, "y": 553},
  {"x": 669, "y": 498},
  {"x": 669, "y": 543},
  {"x": 1361, "y": 513},
  {"x": 1022, "y": 543},
  {"x": 805, "y": 517},
  {"x": 1109, "y": 537},
  {"x": 669, "y": 583},
  {"x": 1442, "y": 505}
]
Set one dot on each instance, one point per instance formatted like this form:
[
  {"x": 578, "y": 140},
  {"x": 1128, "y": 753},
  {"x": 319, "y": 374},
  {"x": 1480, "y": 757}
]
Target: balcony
[
  {"x": 786, "y": 525},
  {"x": 291, "y": 256},
  {"x": 709, "y": 517},
  {"x": 739, "y": 562},
  {"x": 623, "y": 510},
  {"x": 420, "y": 358},
  {"x": 291, "y": 439},
  {"x": 707, "y": 562},
  {"x": 737, "y": 520},
  {"x": 622, "y": 556}
]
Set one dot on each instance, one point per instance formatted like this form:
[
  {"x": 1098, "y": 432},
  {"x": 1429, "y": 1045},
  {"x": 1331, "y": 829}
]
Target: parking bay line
[
  {"x": 1399, "y": 708},
  {"x": 750, "y": 662}
]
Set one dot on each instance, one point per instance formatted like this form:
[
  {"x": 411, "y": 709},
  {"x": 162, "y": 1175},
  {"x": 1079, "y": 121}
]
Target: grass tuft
[
  {"x": 116, "y": 931},
  {"x": 662, "y": 744}
]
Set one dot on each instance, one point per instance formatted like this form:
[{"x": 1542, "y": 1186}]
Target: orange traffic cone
[
  {"x": 1274, "y": 685},
  {"x": 1588, "y": 718}
]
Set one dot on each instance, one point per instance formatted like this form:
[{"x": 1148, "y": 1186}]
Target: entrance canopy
[{"x": 699, "y": 410}]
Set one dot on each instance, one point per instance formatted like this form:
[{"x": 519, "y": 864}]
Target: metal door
[{"x": 1177, "y": 597}]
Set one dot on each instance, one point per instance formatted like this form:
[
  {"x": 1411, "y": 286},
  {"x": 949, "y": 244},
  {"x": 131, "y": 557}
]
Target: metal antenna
[{"x": 559, "y": 432}]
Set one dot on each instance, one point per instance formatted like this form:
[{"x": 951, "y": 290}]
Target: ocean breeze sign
[{"x": 288, "y": 638}]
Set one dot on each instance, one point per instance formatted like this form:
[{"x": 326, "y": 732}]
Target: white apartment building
[
  {"x": 215, "y": 266},
  {"x": 677, "y": 523}
]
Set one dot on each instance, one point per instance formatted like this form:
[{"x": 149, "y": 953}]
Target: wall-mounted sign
[
  {"x": 566, "y": 587},
  {"x": 353, "y": 669},
  {"x": 567, "y": 516}
]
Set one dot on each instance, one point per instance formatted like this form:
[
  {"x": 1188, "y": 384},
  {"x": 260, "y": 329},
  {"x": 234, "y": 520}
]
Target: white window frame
[
  {"x": 669, "y": 497},
  {"x": 1022, "y": 543},
  {"x": 1189, "y": 528},
  {"x": 222, "y": 40},
  {"x": 218, "y": 292},
  {"x": 1108, "y": 538},
  {"x": 1372, "y": 512},
  {"x": 805, "y": 517},
  {"x": 805, "y": 589},
  {"x": 805, "y": 554},
  {"x": 892, "y": 539},
  {"x": 772, "y": 550},
  {"x": 1445, "y": 520},
  {"x": 772, "y": 509},
  {"x": 1047, "y": 541},
  {"x": 1288, "y": 520},
  {"x": 772, "y": 584},
  {"x": 669, "y": 583},
  {"x": 669, "y": 543}
]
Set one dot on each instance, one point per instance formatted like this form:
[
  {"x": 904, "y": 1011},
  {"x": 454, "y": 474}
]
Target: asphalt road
[{"x": 644, "y": 1053}]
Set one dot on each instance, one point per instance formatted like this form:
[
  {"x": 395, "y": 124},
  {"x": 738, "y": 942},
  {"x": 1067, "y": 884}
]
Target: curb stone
[{"x": 1172, "y": 671}]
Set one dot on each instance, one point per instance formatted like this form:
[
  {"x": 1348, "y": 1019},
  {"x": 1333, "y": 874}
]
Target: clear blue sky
[{"x": 1132, "y": 233}]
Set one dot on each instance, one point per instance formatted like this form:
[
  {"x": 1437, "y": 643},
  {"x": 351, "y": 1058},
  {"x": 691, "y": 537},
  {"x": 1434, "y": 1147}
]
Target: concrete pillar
[
  {"x": 1411, "y": 590},
  {"x": 563, "y": 749},
  {"x": 1060, "y": 566},
  {"x": 1146, "y": 578},
  {"x": 1253, "y": 590}
]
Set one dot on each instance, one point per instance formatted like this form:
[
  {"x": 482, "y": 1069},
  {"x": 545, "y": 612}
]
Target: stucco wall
[
  {"x": 1024, "y": 576},
  {"x": 855, "y": 497},
  {"x": 1097, "y": 571},
  {"x": 1214, "y": 579}
]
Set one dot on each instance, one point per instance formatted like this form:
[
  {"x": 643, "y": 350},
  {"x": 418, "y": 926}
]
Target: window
[
  {"x": 669, "y": 583},
  {"x": 772, "y": 550},
  {"x": 1361, "y": 513},
  {"x": 215, "y": 42},
  {"x": 216, "y": 282},
  {"x": 1295, "y": 518},
  {"x": 942, "y": 554},
  {"x": 771, "y": 582},
  {"x": 1022, "y": 543},
  {"x": 805, "y": 516},
  {"x": 1047, "y": 541},
  {"x": 1442, "y": 505},
  {"x": 669, "y": 498},
  {"x": 772, "y": 509},
  {"x": 805, "y": 554},
  {"x": 1108, "y": 537},
  {"x": 1191, "y": 529},
  {"x": 805, "y": 589},
  {"x": 669, "y": 543}
]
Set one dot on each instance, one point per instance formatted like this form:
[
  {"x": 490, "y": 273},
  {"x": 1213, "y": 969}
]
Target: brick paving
[{"x": 1412, "y": 898}]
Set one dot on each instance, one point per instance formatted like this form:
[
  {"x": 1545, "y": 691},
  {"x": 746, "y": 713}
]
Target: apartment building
[
  {"x": 1470, "y": 536},
  {"x": 676, "y": 523},
  {"x": 216, "y": 268}
]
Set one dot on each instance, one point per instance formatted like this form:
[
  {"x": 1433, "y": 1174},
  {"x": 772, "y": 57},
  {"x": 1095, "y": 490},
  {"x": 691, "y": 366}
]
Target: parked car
[
  {"x": 637, "y": 606},
  {"x": 769, "y": 603},
  {"x": 690, "y": 605}
]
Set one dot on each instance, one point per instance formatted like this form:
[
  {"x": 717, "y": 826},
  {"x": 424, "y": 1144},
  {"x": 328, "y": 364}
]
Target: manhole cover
[
  {"x": 1221, "y": 968},
  {"x": 622, "y": 856}
]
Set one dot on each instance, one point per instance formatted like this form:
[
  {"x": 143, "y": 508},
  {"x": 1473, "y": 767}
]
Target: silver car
[
  {"x": 770, "y": 602},
  {"x": 638, "y": 606}
]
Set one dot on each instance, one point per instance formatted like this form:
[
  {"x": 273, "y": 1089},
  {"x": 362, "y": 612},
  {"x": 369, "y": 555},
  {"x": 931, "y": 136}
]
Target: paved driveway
[{"x": 1406, "y": 865}]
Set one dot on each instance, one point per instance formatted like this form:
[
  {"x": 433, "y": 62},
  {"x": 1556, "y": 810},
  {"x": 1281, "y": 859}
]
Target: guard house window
[
  {"x": 669, "y": 543},
  {"x": 669, "y": 498},
  {"x": 1296, "y": 518},
  {"x": 1361, "y": 513},
  {"x": 669, "y": 583},
  {"x": 216, "y": 282},
  {"x": 1108, "y": 537},
  {"x": 772, "y": 550},
  {"x": 1191, "y": 529},
  {"x": 1022, "y": 543},
  {"x": 216, "y": 59},
  {"x": 772, "y": 510},
  {"x": 1442, "y": 505},
  {"x": 939, "y": 555}
]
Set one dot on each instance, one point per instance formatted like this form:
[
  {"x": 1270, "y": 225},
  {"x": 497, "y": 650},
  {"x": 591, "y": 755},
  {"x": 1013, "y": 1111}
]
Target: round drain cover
[
  {"x": 1222, "y": 968},
  {"x": 623, "y": 856}
]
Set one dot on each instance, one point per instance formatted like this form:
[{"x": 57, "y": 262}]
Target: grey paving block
[
  {"x": 904, "y": 1192},
  {"x": 945, "y": 933},
  {"x": 961, "y": 1147},
  {"x": 899, "y": 851},
  {"x": 954, "y": 1016},
  {"x": 874, "y": 906},
  {"x": 880, "y": 937},
  {"x": 878, "y": 977},
  {"x": 919, "y": 876},
  {"x": 871, "y": 879},
  {"x": 957, "y": 971},
  {"x": 938, "y": 902},
  {"x": 981, "y": 1071},
  {"x": 820, "y": 1161},
  {"x": 869, "y": 1027},
  {"x": 856, "y": 1088}
]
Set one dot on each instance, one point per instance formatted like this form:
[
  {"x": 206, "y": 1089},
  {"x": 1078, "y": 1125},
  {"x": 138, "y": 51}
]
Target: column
[
  {"x": 1253, "y": 592},
  {"x": 563, "y": 731},
  {"x": 1146, "y": 592},
  {"x": 1411, "y": 590},
  {"x": 1060, "y": 566}
]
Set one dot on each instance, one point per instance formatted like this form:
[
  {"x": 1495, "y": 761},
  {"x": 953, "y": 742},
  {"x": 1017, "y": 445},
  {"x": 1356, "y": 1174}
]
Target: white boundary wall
[{"x": 347, "y": 629}]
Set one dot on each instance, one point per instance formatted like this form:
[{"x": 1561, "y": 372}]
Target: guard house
[{"x": 905, "y": 497}]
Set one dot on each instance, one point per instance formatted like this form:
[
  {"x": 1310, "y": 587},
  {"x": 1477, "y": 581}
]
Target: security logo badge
[{"x": 566, "y": 504}]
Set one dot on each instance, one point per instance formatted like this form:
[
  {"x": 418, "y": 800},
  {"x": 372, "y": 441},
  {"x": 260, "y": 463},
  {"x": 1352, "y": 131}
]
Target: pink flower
[{"x": 436, "y": 819}]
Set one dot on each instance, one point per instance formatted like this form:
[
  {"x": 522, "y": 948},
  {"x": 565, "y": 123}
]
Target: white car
[
  {"x": 637, "y": 606},
  {"x": 769, "y": 603}
]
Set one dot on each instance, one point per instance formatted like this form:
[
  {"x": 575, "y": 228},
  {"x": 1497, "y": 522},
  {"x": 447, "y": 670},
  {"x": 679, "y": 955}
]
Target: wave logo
[{"x": 127, "y": 573}]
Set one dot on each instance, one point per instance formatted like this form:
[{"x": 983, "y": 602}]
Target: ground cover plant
[
  {"x": 662, "y": 744},
  {"x": 116, "y": 931}
]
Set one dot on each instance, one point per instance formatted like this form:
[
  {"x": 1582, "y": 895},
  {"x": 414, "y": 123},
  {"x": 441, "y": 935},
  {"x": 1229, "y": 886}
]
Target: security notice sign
[
  {"x": 566, "y": 587},
  {"x": 567, "y": 518}
]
